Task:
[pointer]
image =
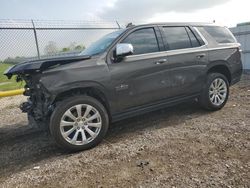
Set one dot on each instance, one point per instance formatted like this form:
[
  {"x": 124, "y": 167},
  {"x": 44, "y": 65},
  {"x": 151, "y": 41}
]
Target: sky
[{"x": 224, "y": 12}]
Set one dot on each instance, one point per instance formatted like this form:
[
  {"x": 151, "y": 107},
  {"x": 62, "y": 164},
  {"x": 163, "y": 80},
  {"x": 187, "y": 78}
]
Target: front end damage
[{"x": 39, "y": 105}]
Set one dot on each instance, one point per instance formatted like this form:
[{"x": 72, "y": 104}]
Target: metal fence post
[{"x": 35, "y": 34}]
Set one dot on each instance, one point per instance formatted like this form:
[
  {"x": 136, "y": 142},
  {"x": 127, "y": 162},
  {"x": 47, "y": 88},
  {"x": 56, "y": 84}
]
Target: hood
[{"x": 30, "y": 67}]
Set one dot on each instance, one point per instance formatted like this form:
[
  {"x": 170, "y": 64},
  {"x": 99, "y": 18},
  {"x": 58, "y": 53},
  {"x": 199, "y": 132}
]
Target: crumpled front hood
[{"x": 30, "y": 67}]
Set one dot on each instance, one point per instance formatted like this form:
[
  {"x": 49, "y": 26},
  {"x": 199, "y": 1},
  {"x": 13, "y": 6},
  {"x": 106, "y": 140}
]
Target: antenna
[{"x": 130, "y": 25}]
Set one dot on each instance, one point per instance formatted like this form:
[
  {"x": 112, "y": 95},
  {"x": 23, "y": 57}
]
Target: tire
[
  {"x": 68, "y": 131},
  {"x": 214, "y": 99}
]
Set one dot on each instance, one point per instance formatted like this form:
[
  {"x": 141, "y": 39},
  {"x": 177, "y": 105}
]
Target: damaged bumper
[
  {"x": 39, "y": 104},
  {"x": 40, "y": 101}
]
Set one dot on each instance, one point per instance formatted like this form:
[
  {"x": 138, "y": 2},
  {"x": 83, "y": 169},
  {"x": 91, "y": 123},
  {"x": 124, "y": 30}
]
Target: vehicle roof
[{"x": 177, "y": 24}]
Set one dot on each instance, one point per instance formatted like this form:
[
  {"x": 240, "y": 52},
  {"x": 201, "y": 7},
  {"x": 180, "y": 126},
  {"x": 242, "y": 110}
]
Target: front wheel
[
  {"x": 215, "y": 93},
  {"x": 79, "y": 123}
]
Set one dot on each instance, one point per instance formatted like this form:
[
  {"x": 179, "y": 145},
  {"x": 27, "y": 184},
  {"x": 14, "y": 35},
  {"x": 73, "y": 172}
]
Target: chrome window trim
[
  {"x": 178, "y": 52},
  {"x": 202, "y": 37},
  {"x": 202, "y": 48},
  {"x": 175, "y": 51}
]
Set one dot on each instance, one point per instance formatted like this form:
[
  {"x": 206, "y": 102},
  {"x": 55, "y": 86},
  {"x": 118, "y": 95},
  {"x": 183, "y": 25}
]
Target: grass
[{"x": 9, "y": 84}]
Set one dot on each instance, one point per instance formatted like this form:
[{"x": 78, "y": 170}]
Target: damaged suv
[{"x": 129, "y": 72}]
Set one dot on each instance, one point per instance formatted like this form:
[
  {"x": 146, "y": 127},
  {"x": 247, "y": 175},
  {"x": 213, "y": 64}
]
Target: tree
[
  {"x": 79, "y": 48},
  {"x": 65, "y": 49},
  {"x": 73, "y": 47},
  {"x": 51, "y": 48}
]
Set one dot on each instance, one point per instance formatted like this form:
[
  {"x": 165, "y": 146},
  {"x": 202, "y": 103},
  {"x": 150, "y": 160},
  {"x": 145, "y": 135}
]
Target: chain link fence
[{"x": 22, "y": 40}]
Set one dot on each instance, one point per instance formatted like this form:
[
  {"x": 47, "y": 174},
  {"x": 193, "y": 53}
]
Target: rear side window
[
  {"x": 176, "y": 38},
  {"x": 143, "y": 40},
  {"x": 220, "y": 34}
]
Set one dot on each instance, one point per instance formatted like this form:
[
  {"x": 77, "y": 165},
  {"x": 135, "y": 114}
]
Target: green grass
[{"x": 10, "y": 84}]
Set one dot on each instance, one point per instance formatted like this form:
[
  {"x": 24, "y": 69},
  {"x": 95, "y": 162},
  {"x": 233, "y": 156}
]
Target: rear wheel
[
  {"x": 215, "y": 93},
  {"x": 79, "y": 123}
]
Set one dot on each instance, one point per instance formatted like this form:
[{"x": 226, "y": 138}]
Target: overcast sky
[{"x": 226, "y": 12}]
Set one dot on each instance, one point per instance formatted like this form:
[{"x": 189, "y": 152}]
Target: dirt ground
[{"x": 182, "y": 146}]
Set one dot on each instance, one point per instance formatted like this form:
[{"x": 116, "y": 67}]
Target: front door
[{"x": 138, "y": 79}]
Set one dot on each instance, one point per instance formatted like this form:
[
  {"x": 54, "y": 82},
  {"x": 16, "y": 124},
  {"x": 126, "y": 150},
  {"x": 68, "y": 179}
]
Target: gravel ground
[{"x": 182, "y": 146}]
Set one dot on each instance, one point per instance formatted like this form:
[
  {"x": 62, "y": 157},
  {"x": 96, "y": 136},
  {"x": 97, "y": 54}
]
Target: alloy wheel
[
  {"x": 80, "y": 124},
  {"x": 218, "y": 92}
]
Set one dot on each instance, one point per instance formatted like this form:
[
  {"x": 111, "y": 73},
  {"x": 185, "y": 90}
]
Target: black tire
[
  {"x": 58, "y": 113},
  {"x": 204, "y": 99}
]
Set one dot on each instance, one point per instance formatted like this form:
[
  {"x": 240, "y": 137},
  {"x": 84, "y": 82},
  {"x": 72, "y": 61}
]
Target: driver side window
[{"x": 143, "y": 40}]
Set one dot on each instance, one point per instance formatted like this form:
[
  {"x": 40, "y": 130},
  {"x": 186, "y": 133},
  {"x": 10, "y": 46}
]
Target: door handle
[
  {"x": 161, "y": 61},
  {"x": 200, "y": 56}
]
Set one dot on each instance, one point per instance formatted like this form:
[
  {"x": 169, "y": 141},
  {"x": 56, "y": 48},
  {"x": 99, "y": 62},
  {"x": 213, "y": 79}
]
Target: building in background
[{"x": 242, "y": 33}]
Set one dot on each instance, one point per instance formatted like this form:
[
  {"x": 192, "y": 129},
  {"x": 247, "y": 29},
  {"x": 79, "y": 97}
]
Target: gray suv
[{"x": 129, "y": 72}]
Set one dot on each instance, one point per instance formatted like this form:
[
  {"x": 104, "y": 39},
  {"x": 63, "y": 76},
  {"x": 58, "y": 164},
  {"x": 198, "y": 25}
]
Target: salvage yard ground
[{"x": 182, "y": 146}]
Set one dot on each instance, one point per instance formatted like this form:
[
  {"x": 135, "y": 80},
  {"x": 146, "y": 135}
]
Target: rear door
[{"x": 186, "y": 61}]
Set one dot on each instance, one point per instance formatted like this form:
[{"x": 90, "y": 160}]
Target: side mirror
[{"x": 124, "y": 49}]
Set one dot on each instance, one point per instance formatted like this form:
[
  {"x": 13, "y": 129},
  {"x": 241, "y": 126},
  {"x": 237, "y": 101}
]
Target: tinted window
[
  {"x": 177, "y": 38},
  {"x": 143, "y": 41},
  {"x": 193, "y": 39},
  {"x": 220, "y": 34}
]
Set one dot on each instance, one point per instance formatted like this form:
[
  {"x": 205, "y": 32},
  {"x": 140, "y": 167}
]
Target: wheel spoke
[
  {"x": 217, "y": 82},
  {"x": 222, "y": 86},
  {"x": 222, "y": 96},
  {"x": 87, "y": 111},
  {"x": 213, "y": 98},
  {"x": 219, "y": 97},
  {"x": 74, "y": 139},
  {"x": 69, "y": 131},
  {"x": 67, "y": 123},
  {"x": 93, "y": 117},
  {"x": 70, "y": 115},
  {"x": 91, "y": 133},
  {"x": 220, "y": 83},
  {"x": 223, "y": 90},
  {"x": 84, "y": 139},
  {"x": 213, "y": 85},
  {"x": 79, "y": 110},
  {"x": 217, "y": 100},
  {"x": 97, "y": 125}
]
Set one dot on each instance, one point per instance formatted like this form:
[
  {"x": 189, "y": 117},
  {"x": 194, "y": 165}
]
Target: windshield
[{"x": 102, "y": 44}]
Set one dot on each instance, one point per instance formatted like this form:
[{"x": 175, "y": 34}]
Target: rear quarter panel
[{"x": 229, "y": 56}]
